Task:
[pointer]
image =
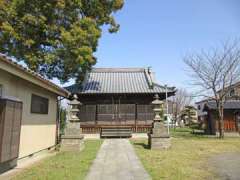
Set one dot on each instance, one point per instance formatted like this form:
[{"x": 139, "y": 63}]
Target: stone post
[
  {"x": 72, "y": 140},
  {"x": 158, "y": 138}
]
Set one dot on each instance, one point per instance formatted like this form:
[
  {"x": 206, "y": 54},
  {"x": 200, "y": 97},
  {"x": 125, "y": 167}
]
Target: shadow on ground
[{"x": 145, "y": 146}]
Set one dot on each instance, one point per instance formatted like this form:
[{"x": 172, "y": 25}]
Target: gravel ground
[{"x": 226, "y": 165}]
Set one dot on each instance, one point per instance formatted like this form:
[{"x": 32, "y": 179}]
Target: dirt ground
[{"x": 226, "y": 166}]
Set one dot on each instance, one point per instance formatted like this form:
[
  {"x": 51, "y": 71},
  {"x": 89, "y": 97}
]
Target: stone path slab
[{"x": 116, "y": 160}]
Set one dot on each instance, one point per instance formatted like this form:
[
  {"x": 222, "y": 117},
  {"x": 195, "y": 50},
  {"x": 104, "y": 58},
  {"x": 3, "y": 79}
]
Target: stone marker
[
  {"x": 158, "y": 138},
  {"x": 72, "y": 140}
]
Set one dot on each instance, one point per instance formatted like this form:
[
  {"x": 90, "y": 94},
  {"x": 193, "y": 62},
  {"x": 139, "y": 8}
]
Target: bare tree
[
  {"x": 214, "y": 71},
  {"x": 181, "y": 99}
]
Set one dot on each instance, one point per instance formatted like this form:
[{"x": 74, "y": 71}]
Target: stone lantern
[
  {"x": 72, "y": 140},
  {"x": 158, "y": 138},
  {"x": 158, "y": 109},
  {"x": 74, "y": 105}
]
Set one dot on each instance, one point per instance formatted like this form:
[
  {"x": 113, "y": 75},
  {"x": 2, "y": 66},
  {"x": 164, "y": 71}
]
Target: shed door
[{"x": 10, "y": 124}]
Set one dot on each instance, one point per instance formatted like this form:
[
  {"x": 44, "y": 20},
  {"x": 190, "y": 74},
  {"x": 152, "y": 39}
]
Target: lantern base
[
  {"x": 158, "y": 143},
  {"x": 73, "y": 139},
  {"x": 72, "y": 143},
  {"x": 159, "y": 138}
]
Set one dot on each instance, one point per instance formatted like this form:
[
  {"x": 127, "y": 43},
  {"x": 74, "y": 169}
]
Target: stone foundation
[
  {"x": 73, "y": 139},
  {"x": 157, "y": 143},
  {"x": 72, "y": 143},
  {"x": 159, "y": 138}
]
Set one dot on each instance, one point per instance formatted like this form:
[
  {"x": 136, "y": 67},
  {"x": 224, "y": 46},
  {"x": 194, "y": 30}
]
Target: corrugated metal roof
[
  {"x": 118, "y": 80},
  {"x": 230, "y": 104}
]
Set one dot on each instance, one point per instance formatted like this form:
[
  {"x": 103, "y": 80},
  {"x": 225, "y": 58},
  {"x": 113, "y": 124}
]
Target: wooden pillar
[
  {"x": 96, "y": 115},
  {"x": 135, "y": 117}
]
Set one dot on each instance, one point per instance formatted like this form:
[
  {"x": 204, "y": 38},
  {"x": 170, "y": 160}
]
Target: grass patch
[
  {"x": 186, "y": 133},
  {"x": 187, "y": 158},
  {"x": 65, "y": 165}
]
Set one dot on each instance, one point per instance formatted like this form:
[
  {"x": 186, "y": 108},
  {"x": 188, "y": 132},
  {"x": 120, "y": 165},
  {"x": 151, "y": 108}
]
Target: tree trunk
[
  {"x": 221, "y": 122},
  {"x": 175, "y": 120},
  {"x": 175, "y": 117}
]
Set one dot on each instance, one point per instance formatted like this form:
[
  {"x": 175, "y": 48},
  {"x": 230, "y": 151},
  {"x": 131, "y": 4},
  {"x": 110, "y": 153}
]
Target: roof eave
[
  {"x": 28, "y": 75},
  {"x": 98, "y": 93}
]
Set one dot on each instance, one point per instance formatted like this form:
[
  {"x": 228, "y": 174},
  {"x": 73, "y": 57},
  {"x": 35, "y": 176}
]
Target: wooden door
[
  {"x": 237, "y": 117},
  {"x": 145, "y": 114},
  {"x": 87, "y": 114},
  {"x": 105, "y": 114},
  {"x": 126, "y": 114},
  {"x": 10, "y": 128},
  {"x": 116, "y": 114}
]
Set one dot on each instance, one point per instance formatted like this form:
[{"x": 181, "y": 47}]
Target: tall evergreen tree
[{"x": 55, "y": 38}]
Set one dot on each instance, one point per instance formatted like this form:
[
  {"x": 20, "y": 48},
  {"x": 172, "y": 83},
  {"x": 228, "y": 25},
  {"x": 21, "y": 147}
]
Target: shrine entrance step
[{"x": 116, "y": 131}]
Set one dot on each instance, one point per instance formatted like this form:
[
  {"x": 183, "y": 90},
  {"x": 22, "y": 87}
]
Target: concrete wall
[{"x": 38, "y": 131}]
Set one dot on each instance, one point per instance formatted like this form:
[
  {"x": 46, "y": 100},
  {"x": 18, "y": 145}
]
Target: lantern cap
[
  {"x": 157, "y": 101},
  {"x": 75, "y": 101}
]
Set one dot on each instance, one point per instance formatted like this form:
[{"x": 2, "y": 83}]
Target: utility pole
[{"x": 166, "y": 90}]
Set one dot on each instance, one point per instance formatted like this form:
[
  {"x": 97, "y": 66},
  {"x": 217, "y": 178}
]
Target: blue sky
[{"x": 158, "y": 33}]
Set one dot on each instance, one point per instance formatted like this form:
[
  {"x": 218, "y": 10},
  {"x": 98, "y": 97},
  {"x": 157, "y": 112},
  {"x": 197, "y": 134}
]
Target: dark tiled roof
[
  {"x": 31, "y": 73},
  {"x": 118, "y": 80},
  {"x": 230, "y": 104}
]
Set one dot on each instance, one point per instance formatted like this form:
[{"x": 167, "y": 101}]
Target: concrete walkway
[{"x": 116, "y": 160}]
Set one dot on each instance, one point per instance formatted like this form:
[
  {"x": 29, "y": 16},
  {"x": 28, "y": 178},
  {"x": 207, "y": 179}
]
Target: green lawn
[
  {"x": 187, "y": 158},
  {"x": 65, "y": 165}
]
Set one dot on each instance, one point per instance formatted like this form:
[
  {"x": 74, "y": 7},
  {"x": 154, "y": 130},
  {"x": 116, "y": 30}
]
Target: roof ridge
[{"x": 113, "y": 70}]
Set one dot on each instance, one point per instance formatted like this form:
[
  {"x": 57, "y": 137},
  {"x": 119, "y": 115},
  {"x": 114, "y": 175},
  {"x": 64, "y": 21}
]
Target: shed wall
[{"x": 38, "y": 131}]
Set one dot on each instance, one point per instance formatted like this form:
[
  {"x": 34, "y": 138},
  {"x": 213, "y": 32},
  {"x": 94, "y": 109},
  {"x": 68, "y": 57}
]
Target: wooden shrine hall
[{"x": 118, "y": 97}]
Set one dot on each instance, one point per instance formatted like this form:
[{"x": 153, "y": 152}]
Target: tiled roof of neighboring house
[
  {"x": 230, "y": 104},
  {"x": 29, "y": 72},
  {"x": 119, "y": 80}
]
